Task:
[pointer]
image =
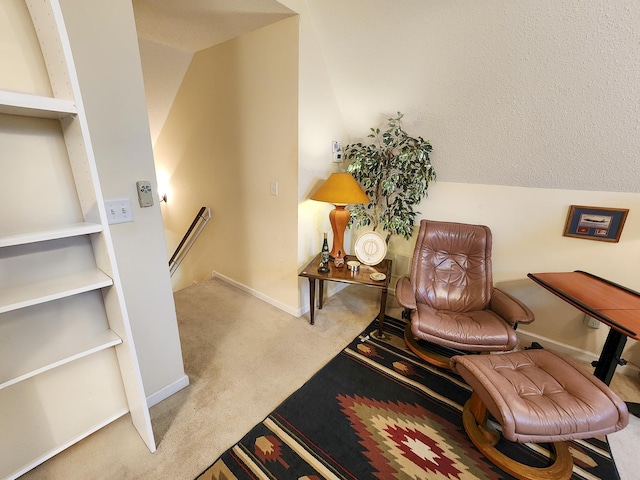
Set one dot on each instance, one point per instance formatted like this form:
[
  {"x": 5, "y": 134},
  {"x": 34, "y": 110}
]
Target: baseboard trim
[
  {"x": 583, "y": 355},
  {"x": 167, "y": 391},
  {"x": 332, "y": 289},
  {"x": 271, "y": 301}
]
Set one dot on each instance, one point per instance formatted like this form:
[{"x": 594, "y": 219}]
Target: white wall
[{"x": 105, "y": 48}]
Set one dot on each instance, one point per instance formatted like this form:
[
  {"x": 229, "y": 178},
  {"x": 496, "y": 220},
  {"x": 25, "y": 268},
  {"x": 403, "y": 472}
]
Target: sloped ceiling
[
  {"x": 193, "y": 25},
  {"x": 171, "y": 31}
]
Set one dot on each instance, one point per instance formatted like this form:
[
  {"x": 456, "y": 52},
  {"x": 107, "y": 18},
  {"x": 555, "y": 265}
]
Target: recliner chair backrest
[{"x": 451, "y": 267}]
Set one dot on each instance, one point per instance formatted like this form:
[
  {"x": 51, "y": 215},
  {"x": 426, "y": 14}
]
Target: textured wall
[{"x": 537, "y": 94}]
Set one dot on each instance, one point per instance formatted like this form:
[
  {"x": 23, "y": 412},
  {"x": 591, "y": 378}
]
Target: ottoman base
[{"x": 474, "y": 419}]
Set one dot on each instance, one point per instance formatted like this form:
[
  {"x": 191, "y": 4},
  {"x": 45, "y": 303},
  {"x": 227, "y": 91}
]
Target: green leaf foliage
[{"x": 395, "y": 172}]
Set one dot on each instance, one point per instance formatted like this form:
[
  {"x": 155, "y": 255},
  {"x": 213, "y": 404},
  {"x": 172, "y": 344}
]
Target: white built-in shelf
[
  {"x": 20, "y": 366},
  {"x": 64, "y": 371},
  {"x": 13, "y": 103},
  {"x": 33, "y": 236},
  {"x": 22, "y": 296}
]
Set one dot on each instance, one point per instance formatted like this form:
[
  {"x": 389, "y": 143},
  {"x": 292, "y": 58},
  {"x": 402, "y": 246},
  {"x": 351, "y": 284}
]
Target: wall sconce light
[{"x": 163, "y": 185}]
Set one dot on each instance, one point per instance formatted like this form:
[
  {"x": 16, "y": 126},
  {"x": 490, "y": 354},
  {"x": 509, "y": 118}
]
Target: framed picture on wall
[{"x": 595, "y": 223}]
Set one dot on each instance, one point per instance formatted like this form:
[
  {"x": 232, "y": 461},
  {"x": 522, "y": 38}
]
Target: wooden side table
[{"x": 344, "y": 275}]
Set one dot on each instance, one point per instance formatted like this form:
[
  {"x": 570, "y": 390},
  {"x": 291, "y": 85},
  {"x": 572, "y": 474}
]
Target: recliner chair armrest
[
  {"x": 405, "y": 294},
  {"x": 510, "y": 308}
]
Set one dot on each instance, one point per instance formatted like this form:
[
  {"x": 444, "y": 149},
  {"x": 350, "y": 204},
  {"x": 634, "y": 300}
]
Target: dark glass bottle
[
  {"x": 324, "y": 257},
  {"x": 325, "y": 250}
]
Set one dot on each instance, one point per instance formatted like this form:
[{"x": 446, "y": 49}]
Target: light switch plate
[{"x": 119, "y": 210}]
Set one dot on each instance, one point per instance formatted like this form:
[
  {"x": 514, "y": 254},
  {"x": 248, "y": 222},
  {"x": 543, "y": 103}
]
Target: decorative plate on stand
[{"x": 370, "y": 248}]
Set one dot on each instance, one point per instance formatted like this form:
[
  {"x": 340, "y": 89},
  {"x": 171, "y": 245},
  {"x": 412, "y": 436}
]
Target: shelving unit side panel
[
  {"x": 54, "y": 45},
  {"x": 82, "y": 163},
  {"x": 130, "y": 369}
]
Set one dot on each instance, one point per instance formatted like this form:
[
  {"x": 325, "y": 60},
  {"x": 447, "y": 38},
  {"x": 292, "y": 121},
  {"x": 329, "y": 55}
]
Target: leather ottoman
[{"x": 536, "y": 396}]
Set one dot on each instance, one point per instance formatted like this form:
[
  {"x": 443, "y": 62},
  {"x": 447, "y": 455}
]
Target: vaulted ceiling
[{"x": 193, "y": 25}]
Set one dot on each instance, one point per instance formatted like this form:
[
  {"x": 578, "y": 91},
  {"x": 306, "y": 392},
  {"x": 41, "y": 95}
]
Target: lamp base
[{"x": 339, "y": 218}]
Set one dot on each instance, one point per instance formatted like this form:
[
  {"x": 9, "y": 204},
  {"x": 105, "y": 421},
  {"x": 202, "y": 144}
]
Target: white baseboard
[
  {"x": 583, "y": 355},
  {"x": 255, "y": 293},
  {"x": 167, "y": 391},
  {"x": 332, "y": 289}
]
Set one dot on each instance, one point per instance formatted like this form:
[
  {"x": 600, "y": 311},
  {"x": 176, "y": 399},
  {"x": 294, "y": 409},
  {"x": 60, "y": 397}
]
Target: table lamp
[{"x": 340, "y": 189}]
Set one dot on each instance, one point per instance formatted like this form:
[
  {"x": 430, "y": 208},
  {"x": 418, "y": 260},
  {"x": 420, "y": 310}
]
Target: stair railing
[{"x": 195, "y": 229}]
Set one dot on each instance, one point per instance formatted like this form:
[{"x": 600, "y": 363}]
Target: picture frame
[{"x": 595, "y": 223}]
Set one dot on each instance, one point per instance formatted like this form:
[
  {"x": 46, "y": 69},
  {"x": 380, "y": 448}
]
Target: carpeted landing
[{"x": 378, "y": 412}]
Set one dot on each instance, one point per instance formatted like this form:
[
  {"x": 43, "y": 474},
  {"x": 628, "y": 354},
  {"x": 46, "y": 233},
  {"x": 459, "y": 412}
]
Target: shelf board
[
  {"x": 53, "y": 356},
  {"x": 13, "y": 298},
  {"x": 33, "y": 236},
  {"x": 13, "y": 103},
  {"x": 49, "y": 412},
  {"x": 57, "y": 448}
]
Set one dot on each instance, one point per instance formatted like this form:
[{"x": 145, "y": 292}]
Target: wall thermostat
[{"x": 144, "y": 193}]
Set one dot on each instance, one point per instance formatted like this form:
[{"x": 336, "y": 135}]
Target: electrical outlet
[
  {"x": 274, "y": 188},
  {"x": 591, "y": 322},
  {"x": 119, "y": 211}
]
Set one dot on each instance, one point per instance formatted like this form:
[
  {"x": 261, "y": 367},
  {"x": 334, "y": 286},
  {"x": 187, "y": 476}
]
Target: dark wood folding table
[{"x": 612, "y": 304}]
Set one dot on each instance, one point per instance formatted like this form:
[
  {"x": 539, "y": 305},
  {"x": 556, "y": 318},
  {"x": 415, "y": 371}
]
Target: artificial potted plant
[{"x": 395, "y": 171}]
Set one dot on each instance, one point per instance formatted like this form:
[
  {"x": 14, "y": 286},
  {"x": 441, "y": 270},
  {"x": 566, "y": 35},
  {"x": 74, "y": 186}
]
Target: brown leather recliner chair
[{"x": 450, "y": 299}]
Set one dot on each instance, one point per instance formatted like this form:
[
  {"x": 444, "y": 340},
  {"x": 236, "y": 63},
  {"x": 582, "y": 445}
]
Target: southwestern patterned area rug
[{"x": 378, "y": 412}]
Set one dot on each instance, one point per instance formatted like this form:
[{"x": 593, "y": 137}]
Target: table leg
[
  {"x": 383, "y": 307},
  {"x": 320, "y": 293},
  {"x": 312, "y": 298},
  {"x": 608, "y": 361},
  {"x": 610, "y": 356}
]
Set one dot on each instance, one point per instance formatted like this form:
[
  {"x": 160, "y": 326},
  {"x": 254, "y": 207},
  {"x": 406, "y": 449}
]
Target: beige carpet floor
[{"x": 243, "y": 358}]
